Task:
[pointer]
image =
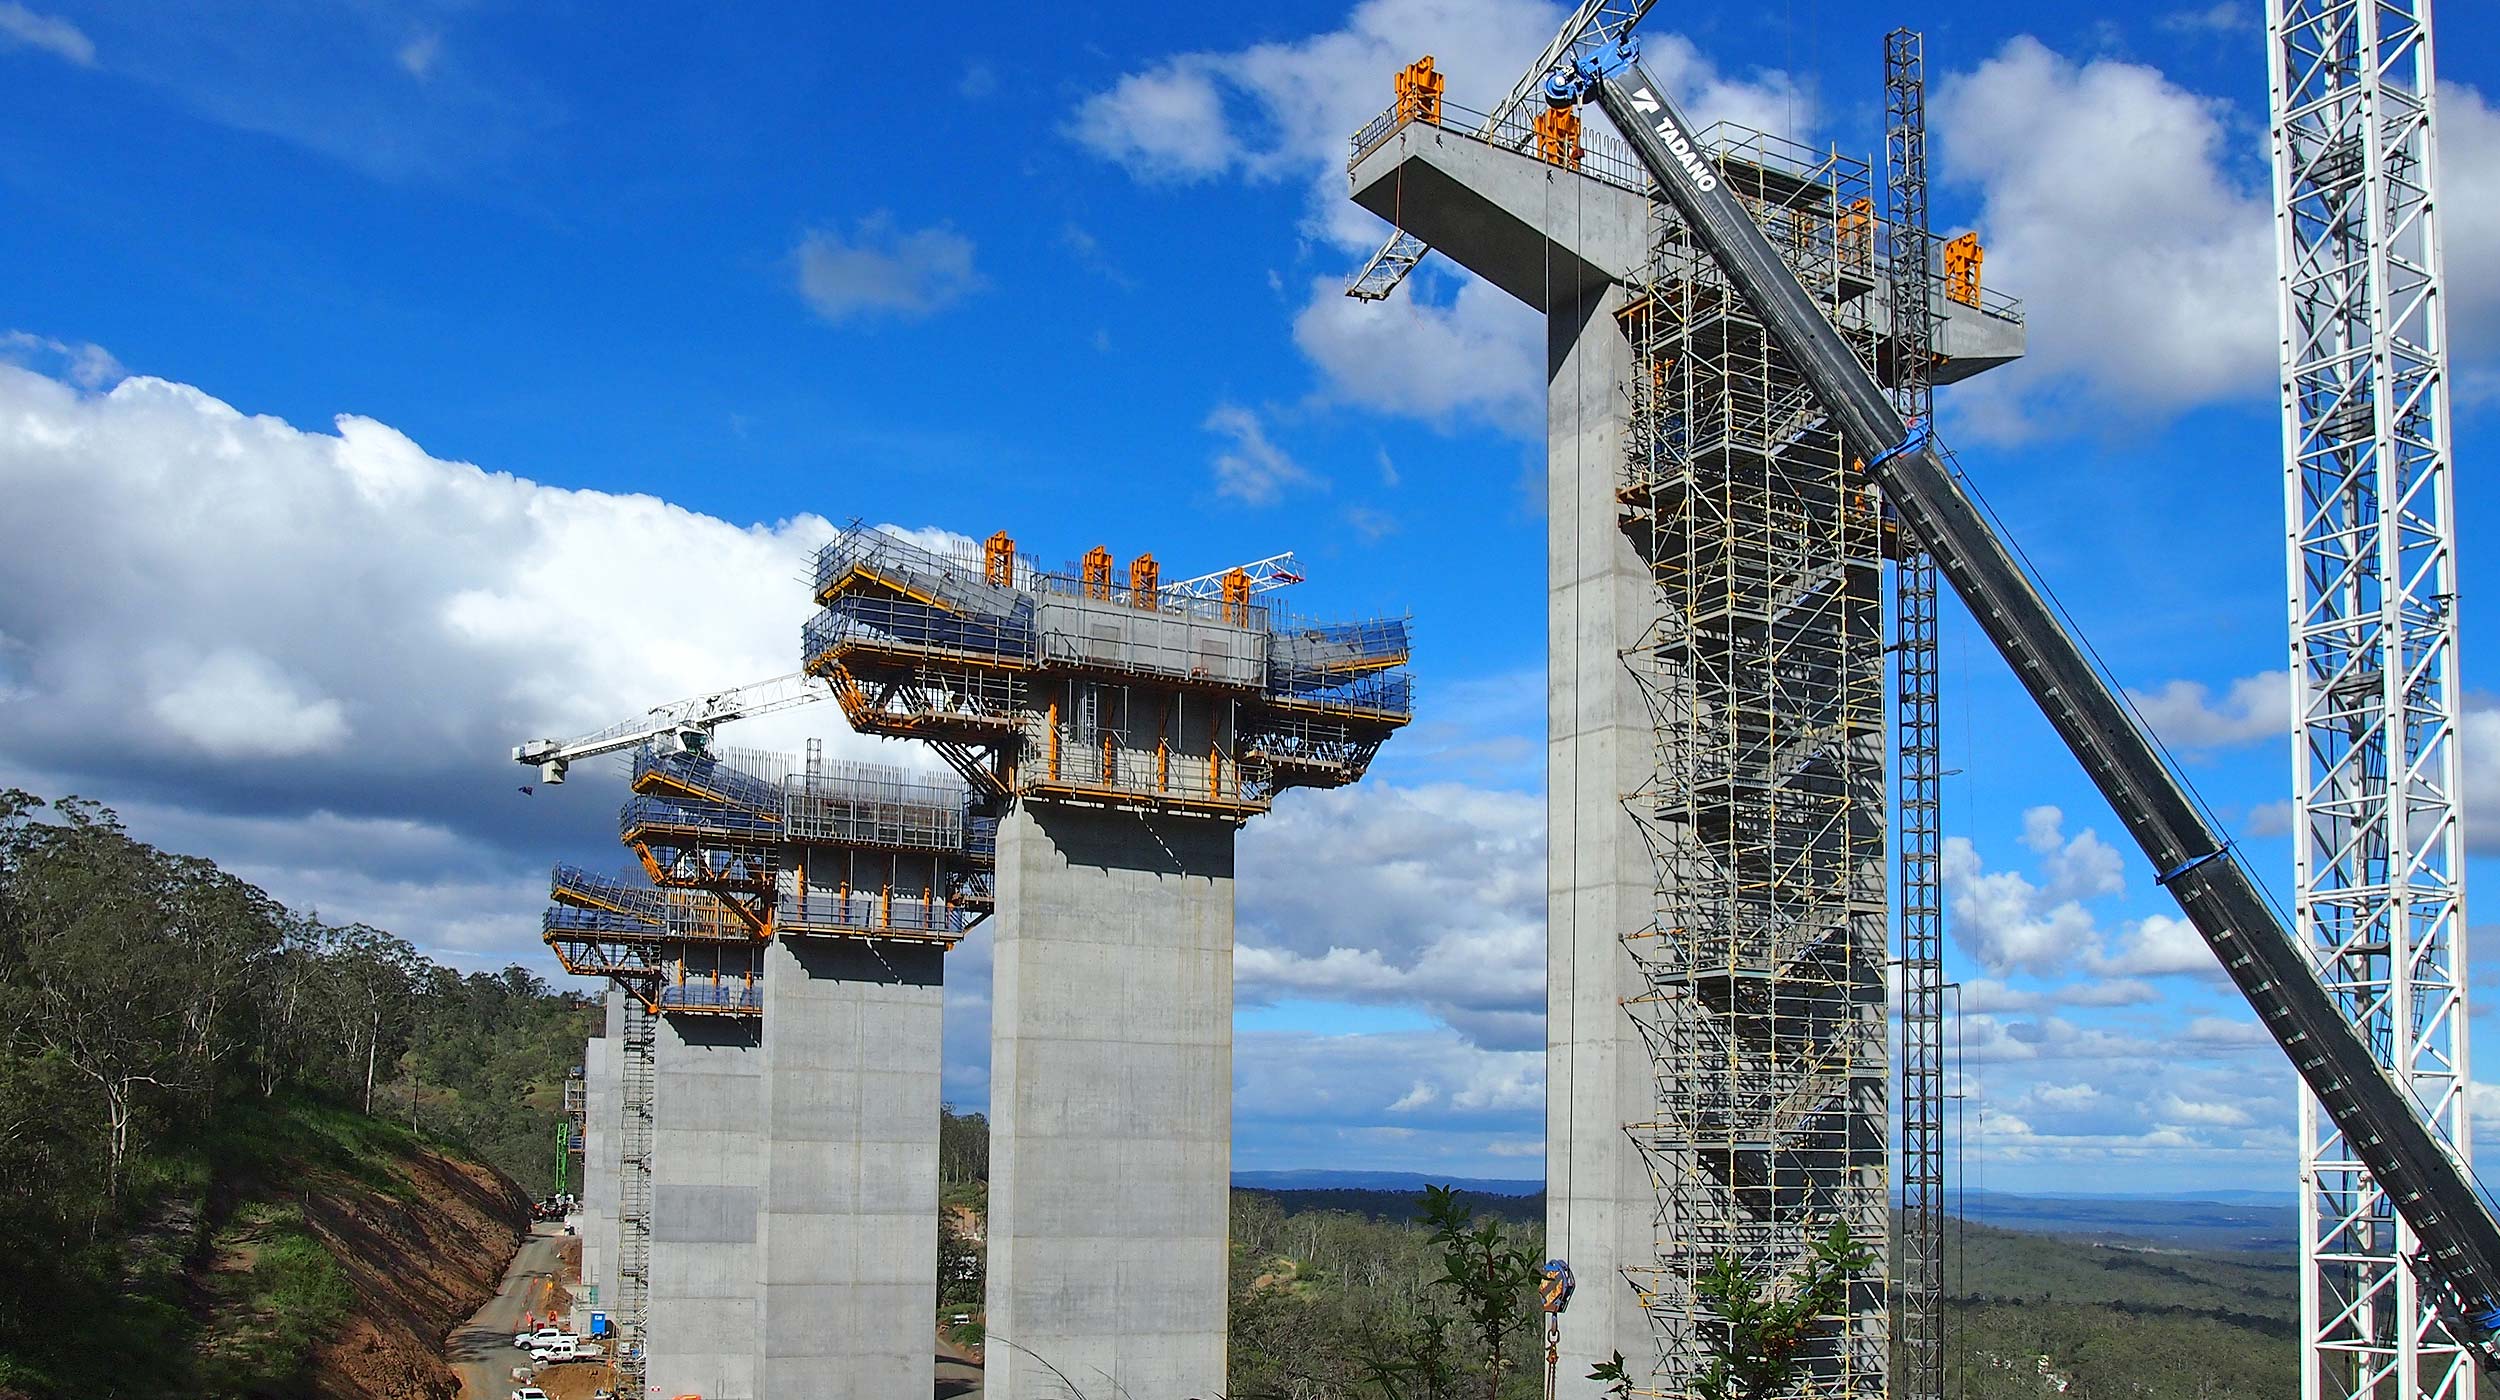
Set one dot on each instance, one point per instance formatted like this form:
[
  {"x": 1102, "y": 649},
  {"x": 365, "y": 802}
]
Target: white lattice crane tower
[{"x": 2369, "y": 494}]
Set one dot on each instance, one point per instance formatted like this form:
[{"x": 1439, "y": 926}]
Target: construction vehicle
[{"x": 2459, "y": 1258}]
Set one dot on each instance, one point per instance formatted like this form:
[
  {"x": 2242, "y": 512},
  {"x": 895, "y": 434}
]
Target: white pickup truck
[
  {"x": 529, "y": 1392},
  {"x": 544, "y": 1336},
  {"x": 563, "y": 1349}
]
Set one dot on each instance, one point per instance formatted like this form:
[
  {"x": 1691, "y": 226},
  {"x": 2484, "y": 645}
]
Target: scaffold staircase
[{"x": 633, "y": 1196}]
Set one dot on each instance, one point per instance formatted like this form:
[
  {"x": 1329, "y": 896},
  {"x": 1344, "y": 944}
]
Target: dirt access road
[{"x": 480, "y": 1350}]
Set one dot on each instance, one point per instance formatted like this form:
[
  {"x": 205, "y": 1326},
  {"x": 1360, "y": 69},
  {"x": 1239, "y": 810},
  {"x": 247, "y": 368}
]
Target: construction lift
[{"x": 2458, "y": 1261}]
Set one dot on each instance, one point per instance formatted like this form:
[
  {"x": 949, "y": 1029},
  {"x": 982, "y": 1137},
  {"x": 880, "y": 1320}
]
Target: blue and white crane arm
[{"x": 2459, "y": 1257}]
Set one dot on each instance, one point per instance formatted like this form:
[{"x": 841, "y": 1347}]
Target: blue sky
[{"x": 686, "y": 294}]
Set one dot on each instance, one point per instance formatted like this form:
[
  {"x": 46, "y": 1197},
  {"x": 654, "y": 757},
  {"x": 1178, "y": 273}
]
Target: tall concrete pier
[
  {"x": 790, "y": 947},
  {"x": 1111, "y": 1098},
  {"x": 1126, "y": 729},
  {"x": 1651, "y": 1152}
]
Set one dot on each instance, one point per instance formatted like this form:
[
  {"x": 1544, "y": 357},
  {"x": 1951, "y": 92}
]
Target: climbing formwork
[
  {"x": 1764, "y": 1007},
  {"x": 735, "y": 846},
  {"x": 1094, "y": 685}
]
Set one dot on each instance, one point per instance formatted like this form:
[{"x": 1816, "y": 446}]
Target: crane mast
[
  {"x": 2458, "y": 1259},
  {"x": 2371, "y": 532}
]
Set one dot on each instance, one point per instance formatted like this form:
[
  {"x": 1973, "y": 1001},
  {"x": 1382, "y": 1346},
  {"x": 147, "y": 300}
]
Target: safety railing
[
  {"x": 856, "y": 623},
  {"x": 571, "y": 884},
  {"x": 651, "y": 816},
  {"x": 867, "y": 912},
  {"x": 703, "y": 777},
  {"x": 1602, "y": 157}
]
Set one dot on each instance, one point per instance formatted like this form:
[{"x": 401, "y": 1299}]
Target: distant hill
[
  {"x": 2260, "y": 1222},
  {"x": 1384, "y": 1181}
]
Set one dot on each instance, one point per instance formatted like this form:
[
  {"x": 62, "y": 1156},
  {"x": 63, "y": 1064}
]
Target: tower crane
[
  {"x": 2456, "y": 1254},
  {"x": 686, "y": 724}
]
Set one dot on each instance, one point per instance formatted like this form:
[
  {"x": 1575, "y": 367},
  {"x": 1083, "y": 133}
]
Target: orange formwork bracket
[
  {"x": 1856, "y": 234},
  {"x": 1558, "y": 137},
  {"x": 1145, "y": 577},
  {"x": 1961, "y": 269},
  {"x": 998, "y": 560},
  {"x": 1235, "y": 595},
  {"x": 1097, "y": 573},
  {"x": 1419, "y": 92}
]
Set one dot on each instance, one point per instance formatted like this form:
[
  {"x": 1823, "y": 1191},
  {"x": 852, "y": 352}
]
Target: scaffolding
[
  {"x": 638, "y": 1074},
  {"x": 1095, "y": 685},
  {"x": 1764, "y": 1004}
]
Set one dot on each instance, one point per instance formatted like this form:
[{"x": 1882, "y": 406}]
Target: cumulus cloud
[
  {"x": 1432, "y": 897},
  {"x": 881, "y": 268},
  {"x": 1252, "y": 469},
  {"x": 308, "y": 651},
  {"x": 2113, "y": 203},
  {"x": 2187, "y": 714},
  {"x": 2038, "y": 924},
  {"x": 2134, "y": 218},
  {"x": 21, "y": 27},
  {"x": 1478, "y": 356},
  {"x": 2007, "y": 921}
]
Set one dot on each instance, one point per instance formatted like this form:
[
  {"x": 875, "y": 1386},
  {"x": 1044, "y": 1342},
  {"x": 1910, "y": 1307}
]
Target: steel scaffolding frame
[
  {"x": 1764, "y": 963},
  {"x": 1917, "y": 737},
  {"x": 2379, "y": 864}
]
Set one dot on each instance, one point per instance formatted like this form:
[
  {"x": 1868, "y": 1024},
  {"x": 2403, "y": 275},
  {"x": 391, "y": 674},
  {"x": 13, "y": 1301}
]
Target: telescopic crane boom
[{"x": 2429, "y": 1188}]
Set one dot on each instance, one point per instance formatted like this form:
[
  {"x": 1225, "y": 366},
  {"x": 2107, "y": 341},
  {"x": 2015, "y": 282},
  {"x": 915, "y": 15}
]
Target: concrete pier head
[{"x": 1111, "y": 1109}]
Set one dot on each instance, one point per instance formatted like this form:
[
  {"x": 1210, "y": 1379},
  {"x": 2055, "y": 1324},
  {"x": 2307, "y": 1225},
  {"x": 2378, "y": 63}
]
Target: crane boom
[
  {"x": 691, "y": 720},
  {"x": 1398, "y": 257},
  {"x": 2426, "y": 1184},
  {"x": 1264, "y": 575}
]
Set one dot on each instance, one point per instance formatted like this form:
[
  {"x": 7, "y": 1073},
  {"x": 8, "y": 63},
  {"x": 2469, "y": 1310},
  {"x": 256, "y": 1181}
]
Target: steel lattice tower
[
  {"x": 1917, "y": 841},
  {"x": 2379, "y": 864}
]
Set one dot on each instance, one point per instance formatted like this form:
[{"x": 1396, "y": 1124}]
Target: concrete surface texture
[
  {"x": 1563, "y": 244},
  {"x": 1110, "y": 1105},
  {"x": 710, "y": 1153},
  {"x": 596, "y": 1188},
  {"x": 852, "y": 1050}
]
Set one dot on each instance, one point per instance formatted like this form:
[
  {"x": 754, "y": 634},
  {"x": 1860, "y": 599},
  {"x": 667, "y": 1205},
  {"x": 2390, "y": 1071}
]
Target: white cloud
[
  {"x": 884, "y": 269},
  {"x": 2222, "y": 17},
  {"x": 233, "y": 703},
  {"x": 2186, "y": 714},
  {"x": 21, "y": 27},
  {"x": 2134, "y": 218},
  {"x": 2011, "y": 922},
  {"x": 1252, "y": 469},
  {"x": 2006, "y": 921},
  {"x": 419, "y": 55},
  {"x": 307, "y": 651},
  {"x": 2116, "y": 204},
  {"x": 1163, "y": 124},
  {"x": 2469, "y": 231},
  {"x": 85, "y": 364},
  {"x": 1428, "y": 897},
  {"x": 1479, "y": 356}
]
